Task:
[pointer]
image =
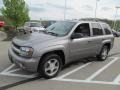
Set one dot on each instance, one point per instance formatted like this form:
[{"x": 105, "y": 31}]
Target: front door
[{"x": 81, "y": 47}]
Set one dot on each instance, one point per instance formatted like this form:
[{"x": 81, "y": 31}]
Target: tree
[{"x": 15, "y": 11}]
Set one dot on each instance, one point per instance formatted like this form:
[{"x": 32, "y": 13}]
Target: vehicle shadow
[{"x": 19, "y": 83}]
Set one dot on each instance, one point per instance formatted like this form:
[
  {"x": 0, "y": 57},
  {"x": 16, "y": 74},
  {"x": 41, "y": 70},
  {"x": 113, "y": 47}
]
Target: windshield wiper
[
  {"x": 52, "y": 33},
  {"x": 44, "y": 31}
]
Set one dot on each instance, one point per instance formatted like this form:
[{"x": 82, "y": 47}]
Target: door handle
[
  {"x": 103, "y": 39},
  {"x": 89, "y": 41}
]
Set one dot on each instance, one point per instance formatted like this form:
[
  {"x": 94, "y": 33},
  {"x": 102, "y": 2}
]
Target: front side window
[
  {"x": 97, "y": 29},
  {"x": 83, "y": 29}
]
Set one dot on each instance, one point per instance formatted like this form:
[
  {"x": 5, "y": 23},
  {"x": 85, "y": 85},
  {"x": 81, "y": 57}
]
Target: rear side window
[
  {"x": 97, "y": 29},
  {"x": 107, "y": 29}
]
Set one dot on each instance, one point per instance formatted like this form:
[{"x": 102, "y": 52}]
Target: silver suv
[{"x": 61, "y": 43}]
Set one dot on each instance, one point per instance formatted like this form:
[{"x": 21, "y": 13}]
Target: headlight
[{"x": 26, "y": 51}]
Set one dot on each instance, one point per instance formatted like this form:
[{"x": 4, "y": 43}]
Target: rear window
[
  {"x": 106, "y": 29},
  {"x": 97, "y": 29}
]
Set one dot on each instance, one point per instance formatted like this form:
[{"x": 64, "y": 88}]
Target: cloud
[
  {"x": 48, "y": 6},
  {"x": 58, "y": 6},
  {"x": 105, "y": 8},
  {"x": 54, "y": 9},
  {"x": 87, "y": 7},
  {"x": 1, "y": 4},
  {"x": 52, "y": 15},
  {"x": 37, "y": 9},
  {"x": 48, "y": 10}
]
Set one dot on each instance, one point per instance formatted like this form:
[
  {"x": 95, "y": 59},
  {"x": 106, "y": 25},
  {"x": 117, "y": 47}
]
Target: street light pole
[
  {"x": 65, "y": 9},
  {"x": 114, "y": 23},
  {"x": 96, "y": 7}
]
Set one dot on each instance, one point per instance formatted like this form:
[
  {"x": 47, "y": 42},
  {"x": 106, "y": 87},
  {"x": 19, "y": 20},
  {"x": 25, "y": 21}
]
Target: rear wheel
[
  {"x": 103, "y": 54},
  {"x": 50, "y": 66}
]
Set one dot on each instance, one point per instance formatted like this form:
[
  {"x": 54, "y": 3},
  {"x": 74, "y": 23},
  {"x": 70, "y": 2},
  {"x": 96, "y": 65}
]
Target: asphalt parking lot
[{"x": 92, "y": 75}]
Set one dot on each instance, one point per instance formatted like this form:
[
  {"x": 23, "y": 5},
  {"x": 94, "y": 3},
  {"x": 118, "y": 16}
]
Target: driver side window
[{"x": 83, "y": 29}]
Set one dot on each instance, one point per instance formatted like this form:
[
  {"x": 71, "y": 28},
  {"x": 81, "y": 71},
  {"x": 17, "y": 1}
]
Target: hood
[{"x": 30, "y": 39}]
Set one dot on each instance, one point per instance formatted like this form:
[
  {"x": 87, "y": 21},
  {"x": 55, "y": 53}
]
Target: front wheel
[
  {"x": 103, "y": 54},
  {"x": 50, "y": 66}
]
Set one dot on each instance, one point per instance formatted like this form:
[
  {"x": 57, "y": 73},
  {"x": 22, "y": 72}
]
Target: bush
[
  {"x": 1, "y": 29},
  {"x": 10, "y": 31}
]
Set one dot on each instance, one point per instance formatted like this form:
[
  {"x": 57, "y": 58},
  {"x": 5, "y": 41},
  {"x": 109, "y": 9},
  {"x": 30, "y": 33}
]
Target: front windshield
[{"x": 61, "y": 28}]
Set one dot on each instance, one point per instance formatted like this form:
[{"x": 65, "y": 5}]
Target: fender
[
  {"x": 41, "y": 52},
  {"x": 105, "y": 42}
]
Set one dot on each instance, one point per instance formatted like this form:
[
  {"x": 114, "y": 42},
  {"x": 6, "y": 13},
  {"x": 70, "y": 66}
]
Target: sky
[{"x": 76, "y": 9}]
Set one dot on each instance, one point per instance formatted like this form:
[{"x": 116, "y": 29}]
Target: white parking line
[
  {"x": 101, "y": 70},
  {"x": 7, "y": 69},
  {"x": 14, "y": 70},
  {"x": 117, "y": 79},
  {"x": 84, "y": 81},
  {"x": 89, "y": 79},
  {"x": 11, "y": 72},
  {"x": 74, "y": 70}
]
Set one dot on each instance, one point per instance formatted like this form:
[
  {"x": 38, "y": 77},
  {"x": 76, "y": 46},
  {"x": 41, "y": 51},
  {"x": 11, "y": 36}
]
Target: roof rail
[{"x": 95, "y": 20}]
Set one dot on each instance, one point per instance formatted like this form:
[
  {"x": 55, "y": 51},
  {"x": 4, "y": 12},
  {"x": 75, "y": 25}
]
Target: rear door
[
  {"x": 108, "y": 34},
  {"x": 97, "y": 37}
]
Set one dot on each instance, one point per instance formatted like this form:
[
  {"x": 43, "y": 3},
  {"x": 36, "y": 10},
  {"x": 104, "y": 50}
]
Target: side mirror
[{"x": 76, "y": 35}]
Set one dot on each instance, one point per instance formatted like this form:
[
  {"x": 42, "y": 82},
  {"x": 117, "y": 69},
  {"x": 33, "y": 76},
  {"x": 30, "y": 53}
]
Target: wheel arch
[
  {"x": 108, "y": 44},
  {"x": 58, "y": 52}
]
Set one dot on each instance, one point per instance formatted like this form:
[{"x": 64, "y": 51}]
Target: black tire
[
  {"x": 102, "y": 57},
  {"x": 44, "y": 62}
]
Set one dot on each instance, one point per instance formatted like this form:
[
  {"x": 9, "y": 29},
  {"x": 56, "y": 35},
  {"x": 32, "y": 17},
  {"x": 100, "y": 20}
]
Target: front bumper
[{"x": 29, "y": 64}]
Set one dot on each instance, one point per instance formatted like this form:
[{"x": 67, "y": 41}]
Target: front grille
[
  {"x": 15, "y": 52},
  {"x": 15, "y": 45},
  {"x": 15, "y": 48}
]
